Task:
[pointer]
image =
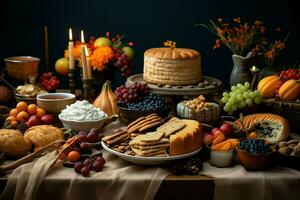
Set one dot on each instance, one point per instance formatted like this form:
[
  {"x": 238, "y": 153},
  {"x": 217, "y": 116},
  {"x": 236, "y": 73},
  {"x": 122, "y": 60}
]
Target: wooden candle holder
[
  {"x": 72, "y": 80},
  {"x": 88, "y": 89}
]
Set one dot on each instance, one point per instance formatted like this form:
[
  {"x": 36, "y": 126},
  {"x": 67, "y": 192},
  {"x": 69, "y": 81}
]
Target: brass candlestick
[
  {"x": 88, "y": 89},
  {"x": 255, "y": 72},
  {"x": 72, "y": 81}
]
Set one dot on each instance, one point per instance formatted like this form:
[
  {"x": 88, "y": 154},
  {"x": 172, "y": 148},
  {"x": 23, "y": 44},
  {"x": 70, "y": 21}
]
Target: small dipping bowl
[
  {"x": 221, "y": 158},
  {"x": 55, "y": 102}
]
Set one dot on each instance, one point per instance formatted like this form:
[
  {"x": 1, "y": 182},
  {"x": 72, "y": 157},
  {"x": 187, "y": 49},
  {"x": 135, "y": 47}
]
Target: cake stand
[{"x": 208, "y": 85}]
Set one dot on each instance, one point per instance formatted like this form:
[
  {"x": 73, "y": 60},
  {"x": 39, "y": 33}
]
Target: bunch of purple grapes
[
  {"x": 95, "y": 164},
  {"x": 132, "y": 93},
  {"x": 125, "y": 63}
]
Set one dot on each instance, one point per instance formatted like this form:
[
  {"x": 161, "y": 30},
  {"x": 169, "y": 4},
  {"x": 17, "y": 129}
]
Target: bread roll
[
  {"x": 271, "y": 127},
  {"x": 12, "y": 143},
  {"x": 43, "y": 134}
]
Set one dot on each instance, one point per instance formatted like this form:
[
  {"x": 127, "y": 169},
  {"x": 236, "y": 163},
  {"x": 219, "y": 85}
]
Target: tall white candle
[
  {"x": 83, "y": 57},
  {"x": 71, "y": 50},
  {"x": 89, "y": 66}
]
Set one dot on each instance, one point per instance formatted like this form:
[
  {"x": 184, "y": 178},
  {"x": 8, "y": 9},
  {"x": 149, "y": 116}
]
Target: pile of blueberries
[
  {"x": 151, "y": 102},
  {"x": 254, "y": 146}
]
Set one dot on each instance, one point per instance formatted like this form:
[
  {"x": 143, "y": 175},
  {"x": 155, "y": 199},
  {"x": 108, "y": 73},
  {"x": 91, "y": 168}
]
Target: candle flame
[
  {"x": 70, "y": 34},
  {"x": 253, "y": 68},
  {"x": 86, "y": 51},
  {"x": 82, "y": 37}
]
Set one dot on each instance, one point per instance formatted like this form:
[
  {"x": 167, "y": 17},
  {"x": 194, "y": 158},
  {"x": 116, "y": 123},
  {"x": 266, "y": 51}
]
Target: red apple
[
  {"x": 33, "y": 121},
  {"x": 47, "y": 119},
  {"x": 207, "y": 139},
  {"x": 214, "y": 130},
  {"x": 226, "y": 128}
]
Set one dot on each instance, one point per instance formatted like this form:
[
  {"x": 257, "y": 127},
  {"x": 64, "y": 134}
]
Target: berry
[
  {"x": 77, "y": 167},
  {"x": 85, "y": 171}
]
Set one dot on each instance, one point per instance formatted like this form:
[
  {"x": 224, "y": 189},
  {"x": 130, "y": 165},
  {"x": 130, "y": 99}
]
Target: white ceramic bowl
[
  {"x": 55, "y": 102},
  {"x": 221, "y": 158},
  {"x": 83, "y": 125}
]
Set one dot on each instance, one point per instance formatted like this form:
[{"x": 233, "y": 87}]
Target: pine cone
[{"x": 22, "y": 127}]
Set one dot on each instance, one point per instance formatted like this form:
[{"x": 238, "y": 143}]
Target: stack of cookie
[
  {"x": 143, "y": 124},
  {"x": 150, "y": 144},
  {"x": 116, "y": 138}
]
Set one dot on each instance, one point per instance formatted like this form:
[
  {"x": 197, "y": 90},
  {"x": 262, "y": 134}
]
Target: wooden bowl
[{"x": 253, "y": 161}]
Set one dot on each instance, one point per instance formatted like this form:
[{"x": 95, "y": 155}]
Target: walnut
[{"x": 285, "y": 150}]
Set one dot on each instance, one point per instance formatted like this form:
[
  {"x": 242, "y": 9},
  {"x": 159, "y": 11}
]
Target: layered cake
[{"x": 172, "y": 66}]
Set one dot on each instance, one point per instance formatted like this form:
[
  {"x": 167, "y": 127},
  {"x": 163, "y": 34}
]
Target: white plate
[{"x": 148, "y": 160}]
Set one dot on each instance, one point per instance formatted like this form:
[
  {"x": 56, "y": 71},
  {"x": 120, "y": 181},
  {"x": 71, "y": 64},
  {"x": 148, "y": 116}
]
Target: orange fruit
[
  {"x": 73, "y": 156},
  {"x": 13, "y": 124},
  {"x": 11, "y": 118},
  {"x": 40, "y": 112},
  {"x": 252, "y": 135},
  {"x": 31, "y": 109},
  {"x": 13, "y": 112},
  {"x": 21, "y": 106},
  {"x": 22, "y": 116}
]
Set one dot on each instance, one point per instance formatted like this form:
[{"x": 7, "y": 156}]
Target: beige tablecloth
[
  {"x": 118, "y": 180},
  {"x": 235, "y": 183}
]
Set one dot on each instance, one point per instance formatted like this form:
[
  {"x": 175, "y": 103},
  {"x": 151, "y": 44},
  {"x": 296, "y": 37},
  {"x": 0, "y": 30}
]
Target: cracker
[
  {"x": 148, "y": 153},
  {"x": 109, "y": 137},
  {"x": 172, "y": 126},
  {"x": 151, "y": 115},
  {"x": 138, "y": 141},
  {"x": 153, "y": 136},
  {"x": 155, "y": 146}
]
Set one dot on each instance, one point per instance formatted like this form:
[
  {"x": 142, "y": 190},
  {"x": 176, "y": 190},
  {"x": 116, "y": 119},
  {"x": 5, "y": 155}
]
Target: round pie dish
[{"x": 148, "y": 160}]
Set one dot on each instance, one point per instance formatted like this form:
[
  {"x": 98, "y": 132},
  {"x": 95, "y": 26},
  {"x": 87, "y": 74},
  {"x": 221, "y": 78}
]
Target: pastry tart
[
  {"x": 43, "y": 134},
  {"x": 270, "y": 127},
  {"x": 12, "y": 143}
]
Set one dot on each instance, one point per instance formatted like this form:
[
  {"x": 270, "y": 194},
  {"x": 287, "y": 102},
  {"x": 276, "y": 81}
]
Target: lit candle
[
  {"x": 83, "y": 57},
  {"x": 89, "y": 66},
  {"x": 71, "y": 50},
  {"x": 254, "y": 70}
]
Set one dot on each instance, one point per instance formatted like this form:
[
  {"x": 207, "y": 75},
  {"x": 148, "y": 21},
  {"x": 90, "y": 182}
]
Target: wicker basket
[
  {"x": 21, "y": 67},
  {"x": 289, "y": 110},
  {"x": 208, "y": 115}
]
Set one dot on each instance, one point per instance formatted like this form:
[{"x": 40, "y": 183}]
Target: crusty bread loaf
[
  {"x": 271, "y": 127},
  {"x": 43, "y": 134},
  {"x": 12, "y": 143}
]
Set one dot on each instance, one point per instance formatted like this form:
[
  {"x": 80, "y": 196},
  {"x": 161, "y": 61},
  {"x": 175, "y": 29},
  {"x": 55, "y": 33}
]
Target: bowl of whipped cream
[{"x": 82, "y": 116}]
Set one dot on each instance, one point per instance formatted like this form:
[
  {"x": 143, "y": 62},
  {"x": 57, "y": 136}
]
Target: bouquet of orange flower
[
  {"x": 239, "y": 37},
  {"x": 270, "y": 50},
  {"x": 107, "y": 52}
]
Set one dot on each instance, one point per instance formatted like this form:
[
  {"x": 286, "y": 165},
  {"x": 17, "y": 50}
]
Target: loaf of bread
[
  {"x": 270, "y": 127},
  {"x": 43, "y": 134},
  {"x": 12, "y": 143}
]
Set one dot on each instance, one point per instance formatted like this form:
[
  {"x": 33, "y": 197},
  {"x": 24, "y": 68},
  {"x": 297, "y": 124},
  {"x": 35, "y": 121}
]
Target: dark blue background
[{"x": 147, "y": 23}]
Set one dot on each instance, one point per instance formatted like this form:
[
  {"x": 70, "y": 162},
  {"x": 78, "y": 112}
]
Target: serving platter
[
  {"x": 148, "y": 160},
  {"x": 191, "y": 90}
]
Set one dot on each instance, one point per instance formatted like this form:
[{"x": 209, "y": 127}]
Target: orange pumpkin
[
  {"x": 266, "y": 87},
  {"x": 290, "y": 90}
]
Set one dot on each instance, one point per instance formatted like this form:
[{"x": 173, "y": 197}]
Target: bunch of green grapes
[{"x": 240, "y": 96}]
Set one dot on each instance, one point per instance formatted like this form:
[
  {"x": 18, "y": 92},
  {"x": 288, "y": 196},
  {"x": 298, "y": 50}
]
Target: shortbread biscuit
[{"x": 109, "y": 137}]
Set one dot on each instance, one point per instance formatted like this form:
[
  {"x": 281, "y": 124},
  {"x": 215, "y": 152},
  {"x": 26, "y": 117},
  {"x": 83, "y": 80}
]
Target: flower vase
[
  {"x": 100, "y": 77},
  {"x": 267, "y": 71},
  {"x": 240, "y": 72}
]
